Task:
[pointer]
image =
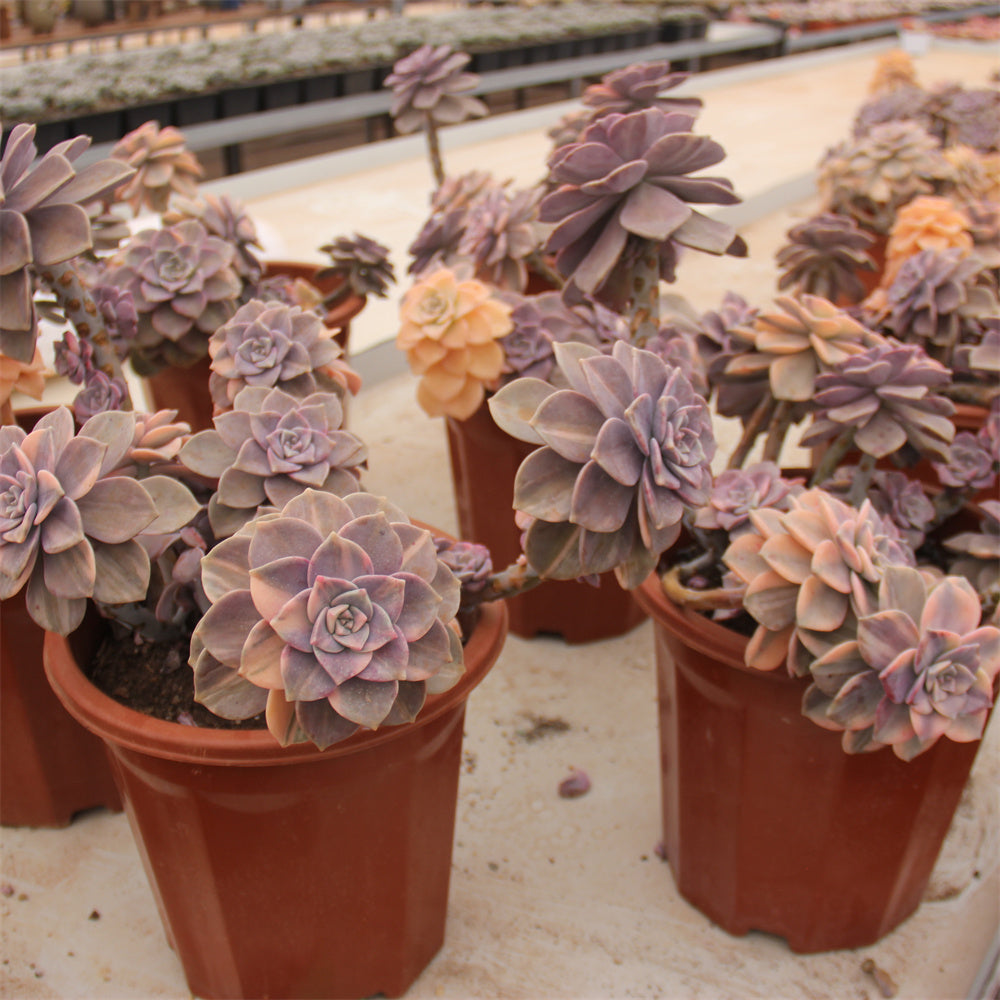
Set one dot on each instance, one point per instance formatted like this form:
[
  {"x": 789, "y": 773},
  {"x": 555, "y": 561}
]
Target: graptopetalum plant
[
  {"x": 855, "y": 573},
  {"x": 251, "y": 547}
]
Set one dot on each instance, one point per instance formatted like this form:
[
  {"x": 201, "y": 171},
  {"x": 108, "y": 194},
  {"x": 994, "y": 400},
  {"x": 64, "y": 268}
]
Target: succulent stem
[
  {"x": 82, "y": 312},
  {"x": 758, "y": 419},
  {"x": 7, "y": 413},
  {"x": 644, "y": 320},
  {"x": 780, "y": 422},
  {"x": 716, "y": 598},
  {"x": 434, "y": 149},
  {"x": 839, "y": 447},
  {"x": 517, "y": 578},
  {"x": 861, "y": 480}
]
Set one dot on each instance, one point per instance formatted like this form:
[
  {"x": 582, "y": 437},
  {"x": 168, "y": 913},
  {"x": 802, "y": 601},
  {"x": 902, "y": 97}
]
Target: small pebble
[{"x": 575, "y": 785}]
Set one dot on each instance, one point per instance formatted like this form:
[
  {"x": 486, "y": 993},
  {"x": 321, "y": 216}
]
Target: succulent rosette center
[{"x": 332, "y": 614}]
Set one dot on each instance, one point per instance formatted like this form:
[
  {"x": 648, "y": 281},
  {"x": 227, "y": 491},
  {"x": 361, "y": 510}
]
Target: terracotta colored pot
[
  {"x": 484, "y": 462},
  {"x": 291, "y": 872},
  {"x": 768, "y": 825},
  {"x": 185, "y": 389},
  {"x": 50, "y": 767}
]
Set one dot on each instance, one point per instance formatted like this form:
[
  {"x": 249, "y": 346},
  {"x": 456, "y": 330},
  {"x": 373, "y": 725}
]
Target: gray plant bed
[{"x": 66, "y": 89}]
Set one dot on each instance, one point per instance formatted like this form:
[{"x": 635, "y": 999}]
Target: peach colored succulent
[
  {"x": 926, "y": 223},
  {"x": 893, "y": 70},
  {"x": 450, "y": 331},
  {"x": 27, "y": 378}
]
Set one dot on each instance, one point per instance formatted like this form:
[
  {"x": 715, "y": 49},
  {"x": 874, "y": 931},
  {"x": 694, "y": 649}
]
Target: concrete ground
[{"x": 550, "y": 897}]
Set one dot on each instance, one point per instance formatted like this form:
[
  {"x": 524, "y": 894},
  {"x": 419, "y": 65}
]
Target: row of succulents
[
  {"x": 53, "y": 89},
  {"x": 618, "y": 394},
  {"x": 803, "y": 13}
]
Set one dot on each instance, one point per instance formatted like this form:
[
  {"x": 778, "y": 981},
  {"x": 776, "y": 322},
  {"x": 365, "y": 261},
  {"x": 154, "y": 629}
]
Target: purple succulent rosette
[
  {"x": 470, "y": 562},
  {"x": 271, "y": 447},
  {"x": 183, "y": 288},
  {"x": 737, "y": 492},
  {"x": 69, "y": 525},
  {"x": 628, "y": 179},
  {"x": 431, "y": 83},
  {"x": 642, "y": 85},
  {"x": 625, "y": 451},
  {"x": 922, "y": 667},
  {"x": 269, "y": 344},
  {"x": 43, "y": 222},
  {"x": 886, "y": 396},
  {"x": 330, "y": 615}
]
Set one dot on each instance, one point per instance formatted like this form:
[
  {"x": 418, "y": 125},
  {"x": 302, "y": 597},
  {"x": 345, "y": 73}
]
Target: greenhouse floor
[{"x": 550, "y": 897}]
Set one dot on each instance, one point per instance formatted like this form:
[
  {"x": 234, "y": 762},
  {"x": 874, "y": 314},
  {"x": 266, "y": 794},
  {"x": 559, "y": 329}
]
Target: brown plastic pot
[
  {"x": 484, "y": 462},
  {"x": 185, "y": 389},
  {"x": 291, "y": 872},
  {"x": 768, "y": 825},
  {"x": 50, "y": 767}
]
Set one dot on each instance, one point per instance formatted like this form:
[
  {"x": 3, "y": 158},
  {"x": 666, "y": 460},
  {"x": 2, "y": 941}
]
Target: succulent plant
[
  {"x": 363, "y": 265},
  {"x": 273, "y": 345},
  {"x": 807, "y": 570},
  {"x": 641, "y": 85},
  {"x": 100, "y": 392},
  {"x": 183, "y": 287},
  {"x": 625, "y": 450},
  {"x": 969, "y": 464},
  {"x": 471, "y": 563},
  {"x": 228, "y": 220},
  {"x": 117, "y": 308},
  {"x": 906, "y": 103},
  {"x": 870, "y": 177},
  {"x": 430, "y": 88},
  {"x": 430, "y": 83},
  {"x": 893, "y": 69},
  {"x": 20, "y": 377},
  {"x": 922, "y": 667},
  {"x": 541, "y": 320},
  {"x": 43, "y": 223},
  {"x": 886, "y": 396},
  {"x": 937, "y": 299},
  {"x": 974, "y": 177},
  {"x": 330, "y": 615},
  {"x": 823, "y": 256},
  {"x": 271, "y": 447},
  {"x": 929, "y": 222},
  {"x": 905, "y": 502},
  {"x": 737, "y": 492},
  {"x": 68, "y": 525},
  {"x": 627, "y": 180},
  {"x": 450, "y": 331},
  {"x": 805, "y": 336},
  {"x": 499, "y": 236},
  {"x": 967, "y": 117},
  {"x": 163, "y": 167},
  {"x": 978, "y": 556}
]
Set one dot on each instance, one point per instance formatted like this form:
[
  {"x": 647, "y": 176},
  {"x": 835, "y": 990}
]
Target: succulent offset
[
  {"x": 921, "y": 668},
  {"x": 69, "y": 524},
  {"x": 929, "y": 222},
  {"x": 273, "y": 345},
  {"x": 329, "y": 615},
  {"x": 625, "y": 450},
  {"x": 163, "y": 167},
  {"x": 183, "y": 287},
  {"x": 362, "y": 265},
  {"x": 499, "y": 236},
  {"x": 270, "y": 447},
  {"x": 642, "y": 85},
  {"x": 227, "y": 219}
]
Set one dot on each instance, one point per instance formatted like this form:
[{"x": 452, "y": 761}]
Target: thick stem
[
  {"x": 861, "y": 480},
  {"x": 832, "y": 456},
  {"x": 79, "y": 308},
  {"x": 7, "y": 413},
  {"x": 539, "y": 264},
  {"x": 751, "y": 430},
  {"x": 434, "y": 149},
  {"x": 517, "y": 578},
  {"x": 778, "y": 431},
  {"x": 644, "y": 317},
  {"x": 718, "y": 598}
]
